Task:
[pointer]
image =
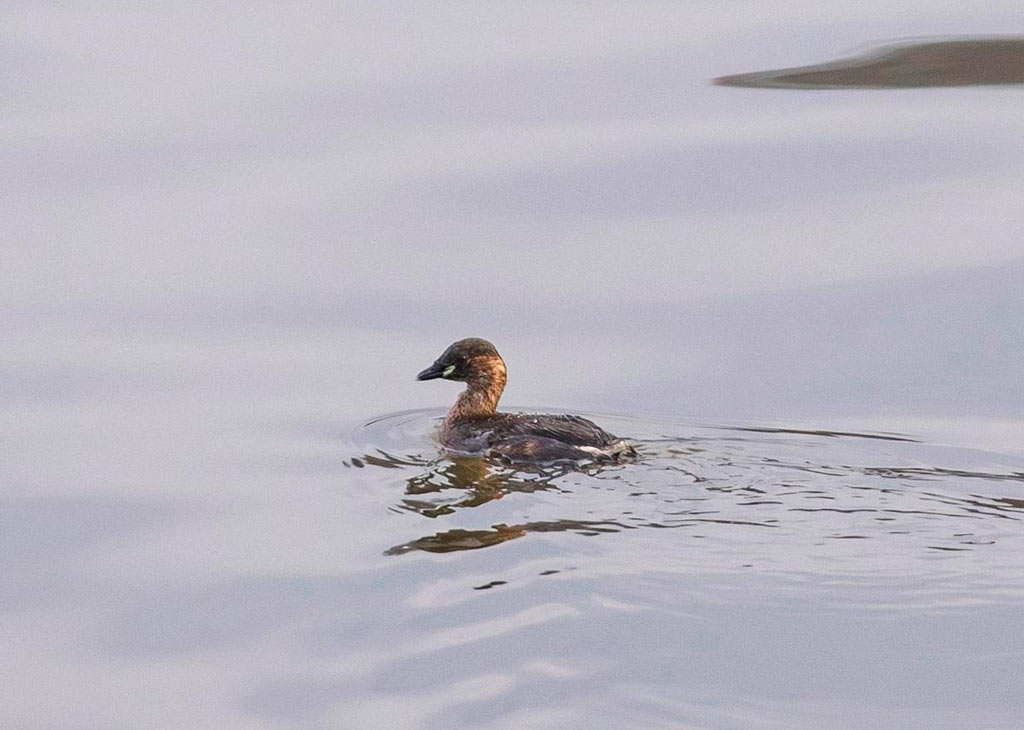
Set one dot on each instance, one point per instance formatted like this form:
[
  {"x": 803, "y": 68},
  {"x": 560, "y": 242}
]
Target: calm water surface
[
  {"x": 233, "y": 235},
  {"x": 736, "y": 576}
]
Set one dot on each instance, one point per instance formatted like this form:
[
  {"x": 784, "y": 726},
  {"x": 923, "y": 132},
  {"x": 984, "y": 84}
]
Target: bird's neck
[{"x": 481, "y": 396}]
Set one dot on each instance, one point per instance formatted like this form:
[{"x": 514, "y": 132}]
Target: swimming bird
[{"x": 473, "y": 425}]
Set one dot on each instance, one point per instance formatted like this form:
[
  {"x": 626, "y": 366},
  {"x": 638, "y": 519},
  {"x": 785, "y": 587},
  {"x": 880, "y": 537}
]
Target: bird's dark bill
[{"x": 434, "y": 371}]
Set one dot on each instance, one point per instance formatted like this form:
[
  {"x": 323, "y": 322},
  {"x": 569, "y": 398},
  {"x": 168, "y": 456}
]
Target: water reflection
[
  {"x": 453, "y": 540},
  {"x": 936, "y": 473},
  {"x": 822, "y": 432},
  {"x": 479, "y": 480},
  {"x": 960, "y": 62},
  {"x": 808, "y": 484}
]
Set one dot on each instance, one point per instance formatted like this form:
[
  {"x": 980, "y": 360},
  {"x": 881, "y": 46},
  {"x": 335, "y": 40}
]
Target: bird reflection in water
[
  {"x": 478, "y": 482},
  {"x": 474, "y": 482},
  {"x": 726, "y": 491},
  {"x": 453, "y": 540}
]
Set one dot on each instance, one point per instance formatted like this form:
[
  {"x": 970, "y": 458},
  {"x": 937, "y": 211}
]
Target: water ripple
[{"x": 723, "y": 483}]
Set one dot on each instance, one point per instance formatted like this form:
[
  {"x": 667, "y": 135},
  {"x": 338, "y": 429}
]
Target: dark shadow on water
[{"x": 945, "y": 63}]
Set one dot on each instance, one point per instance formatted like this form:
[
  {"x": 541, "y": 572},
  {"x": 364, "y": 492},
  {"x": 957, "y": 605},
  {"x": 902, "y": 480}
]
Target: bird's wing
[{"x": 572, "y": 430}]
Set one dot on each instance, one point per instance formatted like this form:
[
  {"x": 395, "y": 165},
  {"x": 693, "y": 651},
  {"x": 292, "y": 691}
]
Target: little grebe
[{"x": 474, "y": 426}]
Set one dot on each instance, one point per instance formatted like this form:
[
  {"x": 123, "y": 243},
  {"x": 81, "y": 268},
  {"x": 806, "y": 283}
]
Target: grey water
[{"x": 232, "y": 235}]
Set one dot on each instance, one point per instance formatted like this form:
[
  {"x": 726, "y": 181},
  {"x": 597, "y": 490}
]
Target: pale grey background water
[{"x": 233, "y": 234}]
